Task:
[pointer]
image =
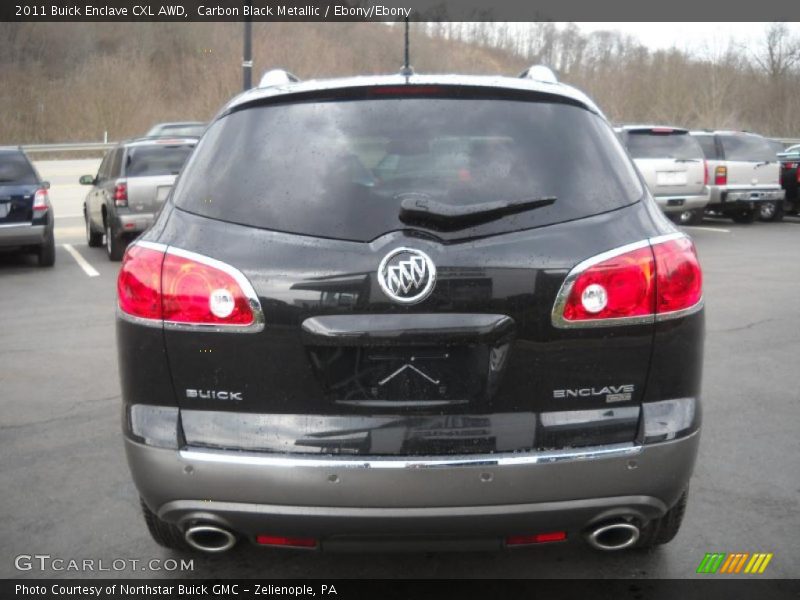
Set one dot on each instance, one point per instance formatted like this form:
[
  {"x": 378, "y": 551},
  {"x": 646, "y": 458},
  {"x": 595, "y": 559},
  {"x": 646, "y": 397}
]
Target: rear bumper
[
  {"x": 743, "y": 197},
  {"x": 345, "y": 502},
  {"x": 23, "y": 234},
  {"x": 678, "y": 204},
  {"x": 134, "y": 223}
]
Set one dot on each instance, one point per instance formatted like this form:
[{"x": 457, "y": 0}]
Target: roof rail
[
  {"x": 539, "y": 73},
  {"x": 277, "y": 77}
]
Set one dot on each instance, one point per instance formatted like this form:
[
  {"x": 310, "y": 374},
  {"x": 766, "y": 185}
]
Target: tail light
[
  {"x": 121, "y": 193},
  {"x": 537, "y": 538},
  {"x": 721, "y": 176},
  {"x": 40, "y": 201},
  {"x": 183, "y": 290},
  {"x": 288, "y": 542},
  {"x": 652, "y": 280},
  {"x": 705, "y": 172}
]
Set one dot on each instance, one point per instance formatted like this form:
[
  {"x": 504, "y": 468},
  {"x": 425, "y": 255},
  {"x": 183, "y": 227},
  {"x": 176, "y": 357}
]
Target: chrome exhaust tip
[
  {"x": 209, "y": 538},
  {"x": 613, "y": 536}
]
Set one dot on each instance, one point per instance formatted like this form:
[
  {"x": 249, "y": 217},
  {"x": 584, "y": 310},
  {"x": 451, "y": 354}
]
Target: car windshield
[
  {"x": 653, "y": 144},
  {"x": 342, "y": 169},
  {"x": 15, "y": 169},
  {"x": 146, "y": 161}
]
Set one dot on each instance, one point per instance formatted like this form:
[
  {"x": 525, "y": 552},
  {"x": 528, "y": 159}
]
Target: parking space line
[
  {"x": 82, "y": 263},
  {"x": 714, "y": 229}
]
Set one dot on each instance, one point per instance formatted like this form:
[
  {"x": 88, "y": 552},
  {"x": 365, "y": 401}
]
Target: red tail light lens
[
  {"x": 679, "y": 279},
  {"x": 721, "y": 176},
  {"x": 182, "y": 289},
  {"x": 650, "y": 280},
  {"x": 197, "y": 292},
  {"x": 705, "y": 172},
  {"x": 121, "y": 194},
  {"x": 139, "y": 282},
  {"x": 40, "y": 201}
]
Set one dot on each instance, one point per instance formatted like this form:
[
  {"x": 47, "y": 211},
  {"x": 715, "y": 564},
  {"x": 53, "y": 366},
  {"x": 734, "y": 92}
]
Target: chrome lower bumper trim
[{"x": 409, "y": 462}]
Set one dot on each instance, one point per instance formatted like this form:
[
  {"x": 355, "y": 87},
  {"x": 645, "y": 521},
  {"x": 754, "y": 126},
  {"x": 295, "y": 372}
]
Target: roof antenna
[{"x": 407, "y": 70}]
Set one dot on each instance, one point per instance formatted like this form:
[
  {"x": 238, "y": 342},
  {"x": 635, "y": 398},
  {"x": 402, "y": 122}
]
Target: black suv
[
  {"x": 26, "y": 216},
  {"x": 430, "y": 312}
]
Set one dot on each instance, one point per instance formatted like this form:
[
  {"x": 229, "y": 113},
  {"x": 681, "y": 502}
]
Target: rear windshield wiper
[{"x": 419, "y": 208}]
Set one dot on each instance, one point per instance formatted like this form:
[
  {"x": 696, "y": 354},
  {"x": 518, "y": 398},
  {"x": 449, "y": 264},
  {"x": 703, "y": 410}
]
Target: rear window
[
  {"x": 16, "y": 169},
  {"x": 652, "y": 144},
  {"x": 340, "y": 169},
  {"x": 750, "y": 148},
  {"x": 147, "y": 161}
]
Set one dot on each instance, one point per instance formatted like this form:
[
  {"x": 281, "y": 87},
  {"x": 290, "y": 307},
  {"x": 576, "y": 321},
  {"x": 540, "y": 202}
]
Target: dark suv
[
  {"x": 432, "y": 312},
  {"x": 26, "y": 216}
]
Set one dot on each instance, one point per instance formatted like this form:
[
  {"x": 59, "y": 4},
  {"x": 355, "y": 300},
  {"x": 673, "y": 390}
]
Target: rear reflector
[
  {"x": 635, "y": 284},
  {"x": 288, "y": 542},
  {"x": 182, "y": 289},
  {"x": 537, "y": 538}
]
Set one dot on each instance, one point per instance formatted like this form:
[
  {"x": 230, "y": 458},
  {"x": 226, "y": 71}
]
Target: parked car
[
  {"x": 673, "y": 166},
  {"x": 26, "y": 216},
  {"x": 132, "y": 183},
  {"x": 180, "y": 129},
  {"x": 320, "y": 348},
  {"x": 790, "y": 180},
  {"x": 744, "y": 176}
]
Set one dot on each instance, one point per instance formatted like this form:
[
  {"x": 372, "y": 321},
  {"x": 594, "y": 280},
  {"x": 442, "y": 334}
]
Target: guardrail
[{"x": 77, "y": 147}]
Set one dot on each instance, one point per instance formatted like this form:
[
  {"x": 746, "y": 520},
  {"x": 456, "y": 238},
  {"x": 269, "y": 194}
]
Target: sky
[{"x": 693, "y": 37}]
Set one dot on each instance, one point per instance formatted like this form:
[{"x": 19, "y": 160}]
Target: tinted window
[
  {"x": 708, "y": 145},
  {"x": 747, "y": 148},
  {"x": 146, "y": 161},
  {"x": 339, "y": 169},
  {"x": 15, "y": 169},
  {"x": 648, "y": 144}
]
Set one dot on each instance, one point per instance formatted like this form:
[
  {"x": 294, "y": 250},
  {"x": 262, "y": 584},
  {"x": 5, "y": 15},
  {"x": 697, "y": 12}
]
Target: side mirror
[
  {"x": 87, "y": 180},
  {"x": 46, "y": 185}
]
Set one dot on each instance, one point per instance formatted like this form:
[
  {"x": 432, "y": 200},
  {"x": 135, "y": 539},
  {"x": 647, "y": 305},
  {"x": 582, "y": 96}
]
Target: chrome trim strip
[
  {"x": 557, "y": 315},
  {"x": 410, "y": 462},
  {"x": 20, "y": 225}
]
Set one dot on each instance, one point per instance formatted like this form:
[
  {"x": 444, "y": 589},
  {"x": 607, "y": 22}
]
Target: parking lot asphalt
[{"x": 66, "y": 490}]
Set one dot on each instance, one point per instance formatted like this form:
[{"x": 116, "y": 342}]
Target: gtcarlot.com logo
[
  {"x": 735, "y": 563},
  {"x": 46, "y": 562}
]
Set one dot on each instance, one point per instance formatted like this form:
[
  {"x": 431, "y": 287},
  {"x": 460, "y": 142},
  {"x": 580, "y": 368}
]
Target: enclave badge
[{"x": 407, "y": 275}]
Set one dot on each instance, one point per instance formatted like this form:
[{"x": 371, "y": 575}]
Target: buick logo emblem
[{"x": 407, "y": 275}]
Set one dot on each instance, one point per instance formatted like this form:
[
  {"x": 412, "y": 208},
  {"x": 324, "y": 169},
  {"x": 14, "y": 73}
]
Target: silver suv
[
  {"x": 743, "y": 173},
  {"x": 673, "y": 166}
]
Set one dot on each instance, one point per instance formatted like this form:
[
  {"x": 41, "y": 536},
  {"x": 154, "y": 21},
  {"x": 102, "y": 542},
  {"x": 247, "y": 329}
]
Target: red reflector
[
  {"x": 679, "y": 279},
  {"x": 275, "y": 540},
  {"x": 406, "y": 90},
  {"x": 130, "y": 225},
  {"x": 139, "y": 282},
  {"x": 538, "y": 538}
]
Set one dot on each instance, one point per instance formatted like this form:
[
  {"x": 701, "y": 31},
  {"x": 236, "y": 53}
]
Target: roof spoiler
[
  {"x": 277, "y": 77},
  {"x": 539, "y": 73}
]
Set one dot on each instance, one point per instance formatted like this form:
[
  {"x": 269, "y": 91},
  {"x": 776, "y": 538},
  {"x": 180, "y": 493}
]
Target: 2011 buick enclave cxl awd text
[{"x": 433, "y": 312}]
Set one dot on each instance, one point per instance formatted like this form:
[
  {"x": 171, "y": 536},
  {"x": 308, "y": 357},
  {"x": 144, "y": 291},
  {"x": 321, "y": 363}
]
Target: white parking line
[
  {"x": 87, "y": 268},
  {"x": 714, "y": 229}
]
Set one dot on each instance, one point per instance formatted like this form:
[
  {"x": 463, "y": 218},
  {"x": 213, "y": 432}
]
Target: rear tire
[
  {"x": 165, "y": 534},
  {"x": 690, "y": 217},
  {"x": 663, "y": 530},
  {"x": 115, "y": 246},
  {"x": 771, "y": 211},
  {"x": 93, "y": 239},
  {"x": 46, "y": 253},
  {"x": 744, "y": 216}
]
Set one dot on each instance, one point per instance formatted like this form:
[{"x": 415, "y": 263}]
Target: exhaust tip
[
  {"x": 210, "y": 538},
  {"x": 613, "y": 536}
]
